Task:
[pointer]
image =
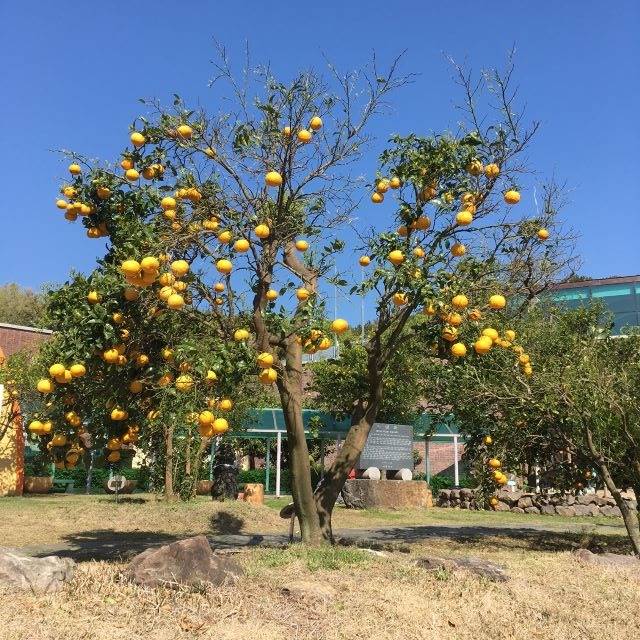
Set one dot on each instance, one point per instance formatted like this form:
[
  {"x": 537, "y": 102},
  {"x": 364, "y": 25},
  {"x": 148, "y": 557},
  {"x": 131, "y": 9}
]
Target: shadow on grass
[
  {"x": 225, "y": 523},
  {"x": 481, "y": 536},
  {"x": 108, "y": 544}
]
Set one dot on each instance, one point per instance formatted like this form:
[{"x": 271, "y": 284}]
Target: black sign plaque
[{"x": 388, "y": 446}]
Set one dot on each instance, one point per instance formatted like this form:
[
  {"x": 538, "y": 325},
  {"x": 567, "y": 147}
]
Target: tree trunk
[
  {"x": 169, "y": 493},
  {"x": 290, "y": 390},
  {"x": 629, "y": 517},
  {"x": 335, "y": 476}
]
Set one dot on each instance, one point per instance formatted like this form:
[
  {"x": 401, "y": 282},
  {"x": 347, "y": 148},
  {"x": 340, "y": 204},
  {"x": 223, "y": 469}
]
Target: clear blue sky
[{"x": 71, "y": 74}]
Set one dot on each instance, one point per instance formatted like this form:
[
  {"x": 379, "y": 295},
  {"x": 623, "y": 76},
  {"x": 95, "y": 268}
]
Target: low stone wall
[{"x": 562, "y": 504}]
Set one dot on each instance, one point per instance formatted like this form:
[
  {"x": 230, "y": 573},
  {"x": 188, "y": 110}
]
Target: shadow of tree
[
  {"x": 224, "y": 522},
  {"x": 108, "y": 544}
]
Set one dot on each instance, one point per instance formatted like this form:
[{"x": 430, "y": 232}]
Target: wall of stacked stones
[{"x": 563, "y": 504}]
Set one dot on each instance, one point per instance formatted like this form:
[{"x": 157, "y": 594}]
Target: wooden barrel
[
  {"x": 203, "y": 488},
  {"x": 254, "y": 493}
]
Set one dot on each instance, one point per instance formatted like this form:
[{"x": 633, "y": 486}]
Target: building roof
[{"x": 596, "y": 282}]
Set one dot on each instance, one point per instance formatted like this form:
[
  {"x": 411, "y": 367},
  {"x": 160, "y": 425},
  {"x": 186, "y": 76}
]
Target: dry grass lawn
[{"x": 549, "y": 595}]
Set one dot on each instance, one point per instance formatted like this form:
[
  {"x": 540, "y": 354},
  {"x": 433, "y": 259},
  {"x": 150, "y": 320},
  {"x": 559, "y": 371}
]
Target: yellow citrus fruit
[
  {"x": 77, "y": 370},
  {"x": 543, "y": 234},
  {"x": 454, "y": 319},
  {"x": 268, "y": 376},
  {"x": 510, "y": 334},
  {"x": 262, "y": 231},
  {"x": 225, "y": 237},
  {"x": 488, "y": 440},
  {"x": 241, "y": 245},
  {"x": 475, "y": 167},
  {"x": 61, "y": 204},
  {"x": 382, "y": 186},
  {"x": 396, "y": 257},
  {"x": 460, "y": 301},
  {"x": 93, "y": 297},
  {"x": 395, "y": 183},
  {"x": 483, "y": 345},
  {"x": 225, "y": 404},
  {"x": 136, "y": 386},
  {"x": 175, "y": 301},
  {"x": 168, "y": 203},
  {"x": 403, "y": 231},
  {"x": 45, "y": 385},
  {"x": 35, "y": 426},
  {"x": 458, "y": 250},
  {"x": 490, "y": 333},
  {"x": 422, "y": 223},
  {"x": 264, "y": 360},
  {"x": 273, "y": 179},
  {"x": 315, "y": 123},
  {"x": 364, "y": 261},
  {"x": 376, "y": 197},
  {"x": 56, "y": 370},
  {"x": 150, "y": 263},
  {"x": 302, "y": 245},
  {"x": 429, "y": 310},
  {"x": 131, "y": 175},
  {"x": 74, "y": 169},
  {"x": 286, "y": 132},
  {"x": 206, "y": 417},
  {"x": 418, "y": 252},
  {"x": 220, "y": 425},
  {"x": 240, "y": 334},
  {"x": 184, "y": 131},
  {"x": 339, "y": 325},
  {"x": 130, "y": 268},
  {"x": 458, "y": 349},
  {"x": 179, "y": 268},
  {"x": 184, "y": 383},
  {"x": 137, "y": 139},
  {"x": 224, "y": 266},
  {"x": 271, "y": 294},
  {"x": 211, "y": 377},
  {"x": 494, "y": 463},
  {"x": 464, "y": 218},
  {"x": 512, "y": 196},
  {"x": 304, "y": 135},
  {"x": 497, "y": 302},
  {"x": 302, "y": 294},
  {"x": 399, "y": 298},
  {"x": 492, "y": 170}
]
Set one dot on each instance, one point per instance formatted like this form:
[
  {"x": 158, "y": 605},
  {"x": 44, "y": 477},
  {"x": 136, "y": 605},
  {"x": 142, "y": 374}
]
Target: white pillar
[
  {"x": 278, "y": 461},
  {"x": 427, "y": 459},
  {"x": 456, "y": 475}
]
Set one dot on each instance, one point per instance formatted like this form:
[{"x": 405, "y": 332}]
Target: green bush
[{"x": 439, "y": 482}]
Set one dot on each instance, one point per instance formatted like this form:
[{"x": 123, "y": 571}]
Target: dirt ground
[{"x": 336, "y": 593}]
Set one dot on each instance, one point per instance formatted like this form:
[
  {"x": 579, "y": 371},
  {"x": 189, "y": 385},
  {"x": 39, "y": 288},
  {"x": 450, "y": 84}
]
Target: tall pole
[
  {"x": 362, "y": 306},
  {"x": 456, "y": 475},
  {"x": 278, "y": 461},
  {"x": 267, "y": 465}
]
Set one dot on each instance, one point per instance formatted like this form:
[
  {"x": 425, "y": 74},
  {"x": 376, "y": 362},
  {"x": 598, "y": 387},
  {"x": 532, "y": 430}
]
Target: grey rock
[
  {"x": 610, "y": 511},
  {"x": 444, "y": 494},
  {"x": 502, "y": 506},
  {"x": 510, "y": 497},
  {"x": 570, "y": 500},
  {"x": 568, "y": 512},
  {"x": 186, "y": 562},
  {"x": 607, "y": 559},
  {"x": 587, "y": 498},
  {"x": 517, "y": 510},
  {"x": 465, "y": 504},
  {"x": 525, "y": 502},
  {"x": 38, "y": 575},
  {"x": 548, "y": 509},
  {"x": 466, "y": 494},
  {"x": 455, "y": 494},
  {"x": 583, "y": 509},
  {"x": 532, "y": 510},
  {"x": 477, "y": 566}
]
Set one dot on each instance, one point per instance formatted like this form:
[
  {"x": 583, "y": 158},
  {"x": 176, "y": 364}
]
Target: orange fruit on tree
[
  {"x": 264, "y": 360},
  {"x": 77, "y": 370},
  {"x": 184, "y": 383},
  {"x": 475, "y": 167},
  {"x": 137, "y": 139},
  {"x": 131, "y": 175},
  {"x": 543, "y": 234},
  {"x": 302, "y": 245},
  {"x": 262, "y": 231},
  {"x": 339, "y": 325},
  {"x": 130, "y": 268},
  {"x": 464, "y": 218},
  {"x": 497, "y": 302},
  {"x": 510, "y": 334},
  {"x": 492, "y": 170},
  {"x": 273, "y": 179},
  {"x": 395, "y": 183},
  {"x": 512, "y": 196},
  {"x": 382, "y": 186},
  {"x": 483, "y": 345},
  {"x": 449, "y": 334},
  {"x": 74, "y": 169},
  {"x": 224, "y": 266},
  {"x": 376, "y": 197},
  {"x": 490, "y": 333},
  {"x": 268, "y": 375},
  {"x": 225, "y": 236},
  {"x": 315, "y": 123},
  {"x": 240, "y": 334},
  {"x": 271, "y": 294},
  {"x": 225, "y": 404},
  {"x": 304, "y": 136},
  {"x": 286, "y": 132},
  {"x": 458, "y": 349},
  {"x": 364, "y": 261},
  {"x": 220, "y": 425},
  {"x": 45, "y": 386},
  {"x": 460, "y": 301},
  {"x": 241, "y": 245},
  {"x": 487, "y": 440},
  {"x": 494, "y": 463},
  {"x": 302, "y": 294},
  {"x": 184, "y": 131},
  {"x": 396, "y": 257},
  {"x": 56, "y": 370},
  {"x": 218, "y": 287},
  {"x": 175, "y": 301},
  {"x": 179, "y": 268},
  {"x": 458, "y": 250},
  {"x": 93, "y": 297},
  {"x": 136, "y": 386}
]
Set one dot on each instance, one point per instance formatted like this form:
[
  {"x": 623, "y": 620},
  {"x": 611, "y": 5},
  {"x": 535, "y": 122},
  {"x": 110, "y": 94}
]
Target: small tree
[{"x": 21, "y": 306}]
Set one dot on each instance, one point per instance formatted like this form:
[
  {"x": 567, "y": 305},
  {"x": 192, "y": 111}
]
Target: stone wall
[{"x": 563, "y": 504}]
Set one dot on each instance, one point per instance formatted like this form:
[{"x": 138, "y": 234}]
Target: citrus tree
[
  {"x": 572, "y": 424},
  {"x": 223, "y": 228}
]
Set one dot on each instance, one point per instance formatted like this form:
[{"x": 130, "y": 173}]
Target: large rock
[
  {"x": 568, "y": 512},
  {"x": 477, "y": 566},
  {"x": 466, "y": 494},
  {"x": 587, "y": 498},
  {"x": 548, "y": 509},
  {"x": 608, "y": 559},
  {"x": 510, "y": 497},
  {"x": 608, "y": 510},
  {"x": 517, "y": 510},
  {"x": 39, "y": 575},
  {"x": 525, "y": 502},
  {"x": 186, "y": 562},
  {"x": 583, "y": 509},
  {"x": 532, "y": 510},
  {"x": 365, "y": 494},
  {"x": 502, "y": 506}
]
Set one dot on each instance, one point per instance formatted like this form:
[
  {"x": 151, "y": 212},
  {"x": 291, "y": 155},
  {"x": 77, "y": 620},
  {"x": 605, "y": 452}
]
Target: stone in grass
[
  {"x": 186, "y": 562},
  {"x": 38, "y": 575},
  {"x": 616, "y": 560},
  {"x": 477, "y": 566}
]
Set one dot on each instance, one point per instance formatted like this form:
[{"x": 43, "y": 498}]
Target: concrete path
[{"x": 110, "y": 545}]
